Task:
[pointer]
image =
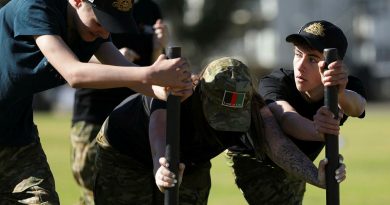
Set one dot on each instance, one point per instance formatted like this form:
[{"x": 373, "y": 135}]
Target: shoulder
[
  {"x": 128, "y": 104},
  {"x": 278, "y": 78},
  {"x": 355, "y": 84},
  {"x": 280, "y": 74},
  {"x": 38, "y": 17}
]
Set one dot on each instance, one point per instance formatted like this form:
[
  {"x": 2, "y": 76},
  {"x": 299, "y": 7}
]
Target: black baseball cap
[
  {"x": 115, "y": 15},
  {"x": 320, "y": 35}
]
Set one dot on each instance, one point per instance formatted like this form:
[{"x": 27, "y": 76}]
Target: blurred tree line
[{"x": 209, "y": 28}]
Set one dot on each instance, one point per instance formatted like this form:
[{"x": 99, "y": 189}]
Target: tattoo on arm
[{"x": 285, "y": 153}]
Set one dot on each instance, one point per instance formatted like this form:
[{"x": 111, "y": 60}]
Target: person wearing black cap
[
  {"x": 92, "y": 106},
  {"x": 296, "y": 98},
  {"x": 47, "y": 43}
]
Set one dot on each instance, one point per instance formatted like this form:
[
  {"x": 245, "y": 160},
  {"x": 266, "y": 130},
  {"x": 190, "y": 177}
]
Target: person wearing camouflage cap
[
  {"x": 224, "y": 110},
  {"x": 296, "y": 98}
]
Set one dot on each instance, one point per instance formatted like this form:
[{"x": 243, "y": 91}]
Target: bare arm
[
  {"x": 303, "y": 128},
  {"x": 157, "y": 136},
  {"x": 352, "y": 103},
  {"x": 90, "y": 75},
  {"x": 293, "y": 123},
  {"x": 285, "y": 153}
]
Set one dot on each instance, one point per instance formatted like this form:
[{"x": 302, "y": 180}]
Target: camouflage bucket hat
[{"x": 226, "y": 87}]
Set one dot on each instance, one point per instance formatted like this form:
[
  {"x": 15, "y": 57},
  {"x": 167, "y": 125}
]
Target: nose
[{"x": 299, "y": 64}]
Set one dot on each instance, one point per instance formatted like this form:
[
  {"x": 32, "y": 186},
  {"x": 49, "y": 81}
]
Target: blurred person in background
[{"x": 92, "y": 106}]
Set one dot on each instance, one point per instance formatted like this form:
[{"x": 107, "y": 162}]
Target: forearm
[
  {"x": 99, "y": 76},
  {"x": 157, "y": 136},
  {"x": 158, "y": 151},
  {"x": 299, "y": 127},
  {"x": 352, "y": 103},
  {"x": 285, "y": 153},
  {"x": 293, "y": 123}
]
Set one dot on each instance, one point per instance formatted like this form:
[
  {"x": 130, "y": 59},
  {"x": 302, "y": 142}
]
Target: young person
[
  {"x": 223, "y": 111},
  {"x": 296, "y": 98},
  {"x": 46, "y": 43},
  {"x": 92, "y": 106}
]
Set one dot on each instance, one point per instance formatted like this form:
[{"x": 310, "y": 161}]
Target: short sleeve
[
  {"x": 274, "y": 86},
  {"x": 356, "y": 85},
  {"x": 157, "y": 104},
  {"x": 39, "y": 17}
]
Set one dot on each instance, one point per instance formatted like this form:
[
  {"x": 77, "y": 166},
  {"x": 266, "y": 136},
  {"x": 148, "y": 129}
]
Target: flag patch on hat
[{"x": 233, "y": 99}]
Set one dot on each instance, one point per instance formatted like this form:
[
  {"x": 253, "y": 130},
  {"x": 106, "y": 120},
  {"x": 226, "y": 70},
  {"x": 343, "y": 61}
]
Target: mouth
[{"x": 300, "y": 79}]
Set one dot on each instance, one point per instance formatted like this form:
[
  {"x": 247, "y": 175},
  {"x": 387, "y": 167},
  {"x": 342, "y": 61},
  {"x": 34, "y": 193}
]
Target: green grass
[{"x": 366, "y": 149}]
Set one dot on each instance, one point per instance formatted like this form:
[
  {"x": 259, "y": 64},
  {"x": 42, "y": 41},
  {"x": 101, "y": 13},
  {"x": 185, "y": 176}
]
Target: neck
[{"x": 314, "y": 95}]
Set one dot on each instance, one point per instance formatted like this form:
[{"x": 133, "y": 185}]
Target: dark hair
[
  {"x": 257, "y": 130},
  {"x": 304, "y": 45}
]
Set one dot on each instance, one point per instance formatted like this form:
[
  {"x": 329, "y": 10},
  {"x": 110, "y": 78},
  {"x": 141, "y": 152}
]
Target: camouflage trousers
[
  {"x": 263, "y": 184},
  {"x": 25, "y": 176},
  {"x": 122, "y": 180},
  {"x": 84, "y": 148}
]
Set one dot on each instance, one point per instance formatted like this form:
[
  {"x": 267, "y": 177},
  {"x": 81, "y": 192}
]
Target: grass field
[{"x": 365, "y": 145}]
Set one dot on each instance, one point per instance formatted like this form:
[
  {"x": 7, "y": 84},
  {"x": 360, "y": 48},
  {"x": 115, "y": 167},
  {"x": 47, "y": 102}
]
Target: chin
[
  {"x": 300, "y": 88},
  {"x": 88, "y": 38}
]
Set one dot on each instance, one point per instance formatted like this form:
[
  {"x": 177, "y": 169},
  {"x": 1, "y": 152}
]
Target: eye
[
  {"x": 313, "y": 60},
  {"x": 298, "y": 54}
]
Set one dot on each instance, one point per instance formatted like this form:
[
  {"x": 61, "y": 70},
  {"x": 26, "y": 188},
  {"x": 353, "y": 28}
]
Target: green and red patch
[{"x": 233, "y": 99}]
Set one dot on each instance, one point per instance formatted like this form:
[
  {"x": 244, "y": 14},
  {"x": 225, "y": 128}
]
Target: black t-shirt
[
  {"x": 280, "y": 85},
  {"x": 24, "y": 70},
  {"x": 94, "y": 105},
  {"x": 127, "y": 131}
]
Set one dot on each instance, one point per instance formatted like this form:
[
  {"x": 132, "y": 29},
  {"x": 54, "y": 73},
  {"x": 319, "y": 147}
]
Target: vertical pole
[
  {"x": 331, "y": 141},
  {"x": 172, "y": 149}
]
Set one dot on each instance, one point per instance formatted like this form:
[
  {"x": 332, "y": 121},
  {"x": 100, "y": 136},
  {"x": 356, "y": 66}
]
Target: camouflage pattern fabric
[
  {"x": 122, "y": 180},
  {"x": 226, "y": 86},
  {"x": 263, "y": 184},
  {"x": 25, "y": 176},
  {"x": 83, "y": 156}
]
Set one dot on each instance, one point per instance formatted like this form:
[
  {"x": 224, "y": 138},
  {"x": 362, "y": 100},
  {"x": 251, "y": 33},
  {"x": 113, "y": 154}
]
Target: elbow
[
  {"x": 359, "y": 109},
  {"x": 74, "y": 79},
  {"x": 362, "y": 106}
]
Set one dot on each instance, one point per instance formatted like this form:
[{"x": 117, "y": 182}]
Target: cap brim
[
  {"x": 296, "y": 38},
  {"x": 124, "y": 23},
  {"x": 227, "y": 118}
]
